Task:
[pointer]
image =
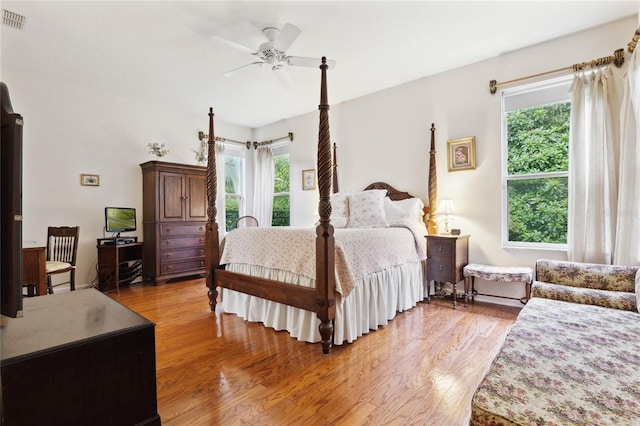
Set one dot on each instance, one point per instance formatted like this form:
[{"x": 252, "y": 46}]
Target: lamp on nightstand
[{"x": 446, "y": 208}]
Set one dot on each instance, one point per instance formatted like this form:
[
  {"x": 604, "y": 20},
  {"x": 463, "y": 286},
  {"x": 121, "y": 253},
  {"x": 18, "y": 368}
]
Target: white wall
[
  {"x": 385, "y": 136},
  {"x": 71, "y": 130}
]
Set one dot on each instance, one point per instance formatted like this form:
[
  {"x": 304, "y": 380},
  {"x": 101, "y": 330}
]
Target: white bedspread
[{"x": 359, "y": 252}]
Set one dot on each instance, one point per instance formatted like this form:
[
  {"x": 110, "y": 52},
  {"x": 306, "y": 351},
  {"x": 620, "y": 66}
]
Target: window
[
  {"x": 536, "y": 164},
  {"x": 233, "y": 188},
  {"x": 281, "y": 205}
]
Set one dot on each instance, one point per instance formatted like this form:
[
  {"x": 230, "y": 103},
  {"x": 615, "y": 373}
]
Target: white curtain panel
[
  {"x": 263, "y": 185},
  {"x": 627, "y": 243},
  {"x": 220, "y": 190},
  {"x": 593, "y": 175}
]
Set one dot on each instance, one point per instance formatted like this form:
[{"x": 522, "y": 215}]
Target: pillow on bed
[
  {"x": 339, "y": 209},
  {"x": 399, "y": 212},
  {"x": 366, "y": 209}
]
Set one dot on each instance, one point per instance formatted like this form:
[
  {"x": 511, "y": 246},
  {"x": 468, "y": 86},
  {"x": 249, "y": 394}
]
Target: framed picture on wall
[
  {"x": 309, "y": 180},
  {"x": 461, "y": 154},
  {"x": 89, "y": 180}
]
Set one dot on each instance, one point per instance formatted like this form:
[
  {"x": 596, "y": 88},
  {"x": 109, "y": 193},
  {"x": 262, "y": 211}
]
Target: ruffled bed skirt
[{"x": 372, "y": 303}]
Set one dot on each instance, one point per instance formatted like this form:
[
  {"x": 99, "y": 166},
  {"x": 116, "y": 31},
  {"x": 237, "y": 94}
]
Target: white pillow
[
  {"x": 339, "y": 209},
  {"x": 366, "y": 209},
  {"x": 398, "y": 212}
]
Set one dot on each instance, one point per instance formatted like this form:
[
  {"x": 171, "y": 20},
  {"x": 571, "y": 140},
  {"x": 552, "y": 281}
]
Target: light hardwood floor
[{"x": 214, "y": 369}]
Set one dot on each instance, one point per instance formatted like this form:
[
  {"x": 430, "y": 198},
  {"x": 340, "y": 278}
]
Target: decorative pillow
[
  {"x": 366, "y": 209},
  {"x": 339, "y": 209},
  {"x": 399, "y": 212}
]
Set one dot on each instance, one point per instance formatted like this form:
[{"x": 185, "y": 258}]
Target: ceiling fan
[{"x": 273, "y": 52}]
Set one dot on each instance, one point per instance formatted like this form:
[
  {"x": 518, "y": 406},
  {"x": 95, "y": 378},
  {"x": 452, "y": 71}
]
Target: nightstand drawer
[
  {"x": 440, "y": 269},
  {"x": 440, "y": 247}
]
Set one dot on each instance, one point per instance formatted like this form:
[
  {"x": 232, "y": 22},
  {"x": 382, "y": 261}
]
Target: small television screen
[{"x": 120, "y": 219}]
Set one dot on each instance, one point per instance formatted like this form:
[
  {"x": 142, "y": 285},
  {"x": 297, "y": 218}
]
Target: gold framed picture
[
  {"x": 309, "y": 180},
  {"x": 461, "y": 154},
  {"x": 89, "y": 180}
]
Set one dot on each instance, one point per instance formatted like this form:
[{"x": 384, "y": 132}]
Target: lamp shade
[{"x": 446, "y": 207}]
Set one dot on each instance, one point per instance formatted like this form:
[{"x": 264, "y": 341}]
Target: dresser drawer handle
[
  {"x": 169, "y": 256},
  {"x": 440, "y": 267},
  {"x": 168, "y": 243},
  {"x": 202, "y": 240},
  {"x": 202, "y": 252},
  {"x": 169, "y": 268},
  {"x": 440, "y": 248},
  {"x": 201, "y": 228},
  {"x": 167, "y": 230},
  {"x": 202, "y": 264}
]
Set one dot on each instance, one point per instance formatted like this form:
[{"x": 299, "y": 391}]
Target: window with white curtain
[
  {"x": 281, "y": 201},
  {"x": 535, "y": 171},
  {"x": 234, "y": 195}
]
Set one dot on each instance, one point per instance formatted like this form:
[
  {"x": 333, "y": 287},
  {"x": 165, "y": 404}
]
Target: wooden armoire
[{"x": 174, "y": 220}]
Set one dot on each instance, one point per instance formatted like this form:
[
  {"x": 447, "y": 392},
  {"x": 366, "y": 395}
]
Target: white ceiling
[{"x": 164, "y": 50}]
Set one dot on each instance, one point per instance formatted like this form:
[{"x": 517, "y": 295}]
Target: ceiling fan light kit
[{"x": 273, "y": 53}]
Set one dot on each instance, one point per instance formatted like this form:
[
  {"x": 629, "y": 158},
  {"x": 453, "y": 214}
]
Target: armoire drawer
[
  {"x": 176, "y": 243},
  {"x": 173, "y": 267},
  {"x": 188, "y": 253},
  {"x": 169, "y": 229}
]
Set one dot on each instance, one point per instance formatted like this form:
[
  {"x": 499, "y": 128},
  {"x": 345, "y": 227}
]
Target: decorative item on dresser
[
  {"x": 174, "y": 220},
  {"x": 447, "y": 255}
]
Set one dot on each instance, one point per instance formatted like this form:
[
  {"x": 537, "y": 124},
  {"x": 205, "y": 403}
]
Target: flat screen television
[{"x": 119, "y": 219}]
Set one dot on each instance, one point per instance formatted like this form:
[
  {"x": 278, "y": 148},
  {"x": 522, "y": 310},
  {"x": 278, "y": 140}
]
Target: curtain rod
[
  {"x": 248, "y": 144},
  {"x": 634, "y": 41},
  {"x": 617, "y": 59}
]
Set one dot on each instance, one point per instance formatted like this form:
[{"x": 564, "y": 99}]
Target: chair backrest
[
  {"x": 247, "y": 222},
  {"x": 62, "y": 243}
]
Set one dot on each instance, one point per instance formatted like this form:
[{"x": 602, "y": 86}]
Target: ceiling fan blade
[
  {"x": 233, "y": 44},
  {"x": 233, "y": 71},
  {"x": 283, "y": 77},
  {"x": 287, "y": 36},
  {"x": 300, "y": 61}
]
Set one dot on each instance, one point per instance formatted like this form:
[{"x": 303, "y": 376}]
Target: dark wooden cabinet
[
  {"x": 78, "y": 358},
  {"x": 174, "y": 220},
  {"x": 118, "y": 264},
  {"x": 447, "y": 255}
]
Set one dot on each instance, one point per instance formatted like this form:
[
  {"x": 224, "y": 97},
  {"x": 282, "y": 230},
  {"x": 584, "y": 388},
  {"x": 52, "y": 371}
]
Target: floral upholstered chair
[{"x": 611, "y": 286}]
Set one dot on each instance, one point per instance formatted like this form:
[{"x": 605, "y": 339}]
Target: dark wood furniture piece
[
  {"x": 119, "y": 262},
  {"x": 322, "y": 298},
  {"x": 447, "y": 255},
  {"x": 174, "y": 220},
  {"x": 34, "y": 272},
  {"x": 62, "y": 247},
  {"x": 78, "y": 358},
  {"x": 11, "y": 211}
]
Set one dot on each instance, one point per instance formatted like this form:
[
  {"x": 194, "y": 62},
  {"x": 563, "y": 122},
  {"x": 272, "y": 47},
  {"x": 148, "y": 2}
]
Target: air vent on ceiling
[{"x": 12, "y": 19}]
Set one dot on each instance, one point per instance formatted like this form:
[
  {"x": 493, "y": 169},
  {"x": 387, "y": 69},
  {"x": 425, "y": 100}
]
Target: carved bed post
[
  {"x": 432, "y": 227},
  {"x": 334, "y": 187},
  {"x": 325, "y": 267},
  {"x": 211, "y": 238}
]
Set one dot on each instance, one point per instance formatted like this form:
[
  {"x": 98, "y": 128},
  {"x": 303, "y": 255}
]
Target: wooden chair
[
  {"x": 62, "y": 249},
  {"x": 246, "y": 222}
]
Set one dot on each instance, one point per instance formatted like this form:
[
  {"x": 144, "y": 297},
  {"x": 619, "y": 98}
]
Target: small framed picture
[
  {"x": 309, "y": 180},
  {"x": 461, "y": 154},
  {"x": 89, "y": 180}
]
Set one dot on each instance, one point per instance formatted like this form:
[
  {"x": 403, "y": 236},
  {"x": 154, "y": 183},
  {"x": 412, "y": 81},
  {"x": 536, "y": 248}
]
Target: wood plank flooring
[{"x": 214, "y": 369}]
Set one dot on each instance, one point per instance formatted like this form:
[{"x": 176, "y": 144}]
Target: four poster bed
[{"x": 329, "y": 285}]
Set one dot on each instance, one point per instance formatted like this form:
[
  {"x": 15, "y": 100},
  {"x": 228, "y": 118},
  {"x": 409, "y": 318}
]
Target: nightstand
[{"x": 447, "y": 255}]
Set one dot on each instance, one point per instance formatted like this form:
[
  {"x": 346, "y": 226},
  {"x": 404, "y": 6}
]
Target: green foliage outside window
[
  {"x": 538, "y": 143},
  {"x": 281, "y": 205}
]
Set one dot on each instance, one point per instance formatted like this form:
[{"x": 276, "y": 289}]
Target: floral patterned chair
[{"x": 569, "y": 361}]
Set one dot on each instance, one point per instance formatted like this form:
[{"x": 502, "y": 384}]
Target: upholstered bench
[{"x": 496, "y": 273}]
